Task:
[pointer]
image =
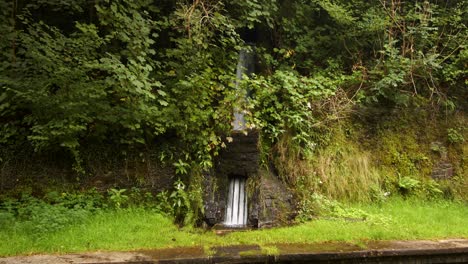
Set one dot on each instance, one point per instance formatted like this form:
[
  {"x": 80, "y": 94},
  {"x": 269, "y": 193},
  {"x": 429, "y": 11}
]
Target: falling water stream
[
  {"x": 236, "y": 210},
  {"x": 245, "y": 65}
]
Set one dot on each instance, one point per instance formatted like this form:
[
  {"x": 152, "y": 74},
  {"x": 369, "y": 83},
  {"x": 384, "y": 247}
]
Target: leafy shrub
[
  {"x": 454, "y": 136},
  {"x": 182, "y": 203},
  {"x": 319, "y": 206},
  {"x": 89, "y": 200},
  {"x": 164, "y": 203},
  {"x": 38, "y": 217},
  {"x": 285, "y": 102},
  {"x": 428, "y": 189},
  {"x": 139, "y": 198},
  {"x": 6, "y": 218},
  {"x": 117, "y": 197},
  {"x": 407, "y": 184},
  {"x": 46, "y": 218}
]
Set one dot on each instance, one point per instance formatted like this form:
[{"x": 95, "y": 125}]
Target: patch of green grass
[
  {"x": 106, "y": 230},
  {"x": 396, "y": 219},
  {"x": 131, "y": 229}
]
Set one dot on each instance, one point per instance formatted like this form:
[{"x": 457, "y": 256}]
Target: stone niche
[{"x": 269, "y": 202}]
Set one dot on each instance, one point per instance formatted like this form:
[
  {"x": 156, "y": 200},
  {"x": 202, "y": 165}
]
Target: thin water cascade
[
  {"x": 236, "y": 210},
  {"x": 245, "y": 65}
]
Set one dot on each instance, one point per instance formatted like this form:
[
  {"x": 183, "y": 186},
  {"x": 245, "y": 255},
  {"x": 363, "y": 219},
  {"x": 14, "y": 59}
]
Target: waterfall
[
  {"x": 245, "y": 65},
  {"x": 236, "y": 210}
]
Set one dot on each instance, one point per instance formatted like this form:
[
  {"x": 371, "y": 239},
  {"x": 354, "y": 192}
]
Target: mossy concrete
[{"x": 425, "y": 251}]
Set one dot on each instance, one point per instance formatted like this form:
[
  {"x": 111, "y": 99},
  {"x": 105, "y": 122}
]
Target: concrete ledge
[{"x": 425, "y": 251}]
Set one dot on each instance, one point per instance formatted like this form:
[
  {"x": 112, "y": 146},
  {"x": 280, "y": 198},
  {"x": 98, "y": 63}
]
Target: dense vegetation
[
  {"x": 74, "y": 73},
  {"x": 348, "y": 95},
  {"x": 54, "y": 229}
]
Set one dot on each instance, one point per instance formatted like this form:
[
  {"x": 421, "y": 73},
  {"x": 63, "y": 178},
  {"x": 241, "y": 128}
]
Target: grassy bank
[{"x": 131, "y": 229}]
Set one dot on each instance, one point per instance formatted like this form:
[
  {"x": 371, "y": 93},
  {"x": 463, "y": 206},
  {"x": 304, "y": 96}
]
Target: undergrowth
[
  {"x": 373, "y": 160},
  {"x": 43, "y": 216}
]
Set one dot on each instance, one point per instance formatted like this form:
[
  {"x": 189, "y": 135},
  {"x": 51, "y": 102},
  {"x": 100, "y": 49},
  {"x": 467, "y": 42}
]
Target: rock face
[
  {"x": 443, "y": 169},
  {"x": 240, "y": 158},
  {"x": 269, "y": 202},
  {"x": 275, "y": 202}
]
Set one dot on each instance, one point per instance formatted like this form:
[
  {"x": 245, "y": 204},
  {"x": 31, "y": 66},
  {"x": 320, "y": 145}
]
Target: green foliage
[
  {"x": 454, "y": 136},
  {"x": 403, "y": 148},
  {"x": 108, "y": 82},
  {"x": 184, "y": 203},
  {"x": 180, "y": 201},
  {"x": 181, "y": 167},
  {"x": 318, "y": 206},
  {"x": 134, "y": 73},
  {"x": 56, "y": 211},
  {"x": 69, "y": 6},
  {"x": 254, "y": 13},
  {"x": 73, "y": 89},
  {"x": 89, "y": 200},
  {"x": 407, "y": 184},
  {"x": 428, "y": 189},
  {"x": 417, "y": 47},
  {"x": 407, "y": 148},
  {"x": 139, "y": 198},
  {"x": 38, "y": 217},
  {"x": 117, "y": 197},
  {"x": 284, "y": 102}
]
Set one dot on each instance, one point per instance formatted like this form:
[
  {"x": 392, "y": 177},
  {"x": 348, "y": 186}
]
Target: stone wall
[
  {"x": 269, "y": 201},
  {"x": 240, "y": 158},
  {"x": 276, "y": 205}
]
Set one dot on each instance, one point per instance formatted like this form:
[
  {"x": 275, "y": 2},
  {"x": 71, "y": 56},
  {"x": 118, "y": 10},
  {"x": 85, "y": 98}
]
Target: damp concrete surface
[{"x": 421, "y": 251}]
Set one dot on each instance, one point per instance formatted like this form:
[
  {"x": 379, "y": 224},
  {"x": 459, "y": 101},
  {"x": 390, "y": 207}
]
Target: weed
[
  {"x": 208, "y": 250},
  {"x": 137, "y": 197},
  {"x": 89, "y": 200},
  {"x": 117, "y": 197},
  {"x": 38, "y": 217},
  {"x": 407, "y": 184},
  {"x": 318, "y": 206},
  {"x": 181, "y": 204},
  {"x": 455, "y": 136},
  {"x": 270, "y": 250}
]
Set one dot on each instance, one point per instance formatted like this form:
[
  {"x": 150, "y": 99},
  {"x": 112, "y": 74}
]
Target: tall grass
[
  {"x": 346, "y": 173},
  {"x": 340, "y": 171}
]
